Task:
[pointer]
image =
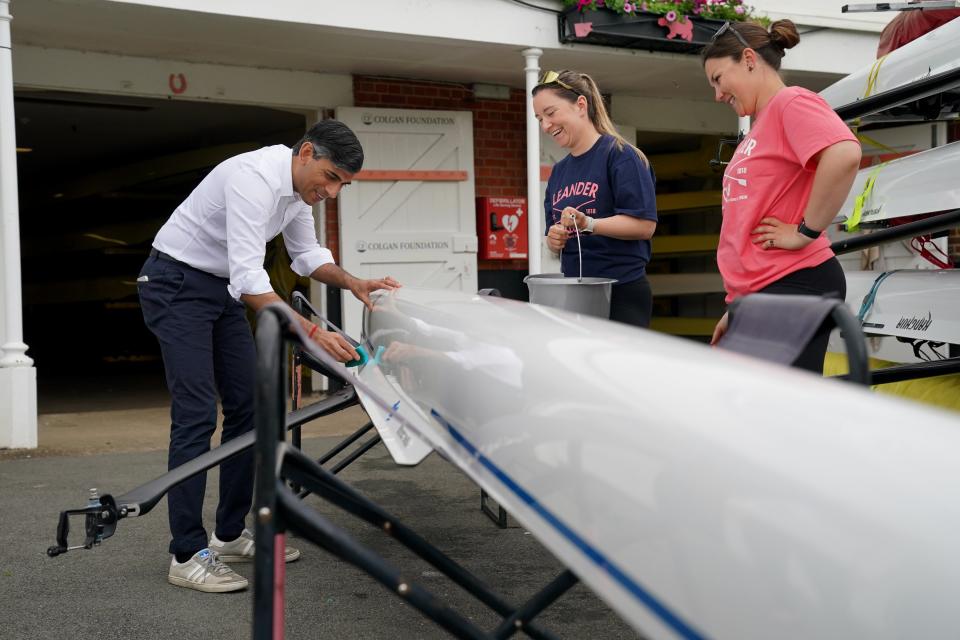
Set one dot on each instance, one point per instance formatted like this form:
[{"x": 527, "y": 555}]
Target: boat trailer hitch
[{"x": 101, "y": 515}]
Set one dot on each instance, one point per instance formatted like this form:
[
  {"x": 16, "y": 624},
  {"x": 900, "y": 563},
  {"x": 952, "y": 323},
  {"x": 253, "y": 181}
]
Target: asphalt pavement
[{"x": 119, "y": 589}]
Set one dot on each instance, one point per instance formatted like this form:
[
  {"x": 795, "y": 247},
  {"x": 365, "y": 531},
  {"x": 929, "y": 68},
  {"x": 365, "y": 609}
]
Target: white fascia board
[
  {"x": 674, "y": 115},
  {"x": 832, "y": 51},
  {"x": 70, "y": 70},
  {"x": 823, "y": 13},
  {"x": 823, "y": 48},
  {"x": 487, "y": 21}
]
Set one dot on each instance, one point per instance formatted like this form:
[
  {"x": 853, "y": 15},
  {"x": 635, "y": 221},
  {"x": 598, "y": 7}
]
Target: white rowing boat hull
[
  {"x": 933, "y": 53},
  {"x": 921, "y": 183},
  {"x": 915, "y": 304},
  {"x": 700, "y": 493}
]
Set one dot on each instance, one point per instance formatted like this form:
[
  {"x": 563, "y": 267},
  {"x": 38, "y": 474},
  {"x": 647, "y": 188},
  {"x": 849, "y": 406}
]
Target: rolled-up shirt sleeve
[
  {"x": 249, "y": 201},
  {"x": 300, "y": 240}
]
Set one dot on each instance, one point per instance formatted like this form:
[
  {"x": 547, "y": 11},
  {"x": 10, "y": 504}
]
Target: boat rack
[
  {"x": 926, "y": 98},
  {"x": 925, "y": 75},
  {"x": 278, "y": 509},
  {"x": 104, "y": 511},
  {"x": 931, "y": 224},
  {"x": 929, "y": 97},
  {"x": 909, "y": 5},
  {"x": 285, "y": 475}
]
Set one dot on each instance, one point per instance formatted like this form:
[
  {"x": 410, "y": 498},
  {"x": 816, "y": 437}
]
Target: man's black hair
[{"x": 334, "y": 140}]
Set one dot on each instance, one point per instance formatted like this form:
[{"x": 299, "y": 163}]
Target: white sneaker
[
  {"x": 205, "y": 572},
  {"x": 242, "y": 549}
]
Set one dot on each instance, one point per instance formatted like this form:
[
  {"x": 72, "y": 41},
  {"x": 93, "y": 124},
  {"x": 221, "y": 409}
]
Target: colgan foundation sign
[
  {"x": 402, "y": 245},
  {"x": 418, "y": 118}
]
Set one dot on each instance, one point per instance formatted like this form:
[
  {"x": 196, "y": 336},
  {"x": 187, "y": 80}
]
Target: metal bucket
[{"x": 589, "y": 296}]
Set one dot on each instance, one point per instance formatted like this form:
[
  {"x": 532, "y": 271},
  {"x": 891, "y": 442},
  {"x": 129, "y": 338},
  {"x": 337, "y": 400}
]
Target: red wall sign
[{"x": 502, "y": 228}]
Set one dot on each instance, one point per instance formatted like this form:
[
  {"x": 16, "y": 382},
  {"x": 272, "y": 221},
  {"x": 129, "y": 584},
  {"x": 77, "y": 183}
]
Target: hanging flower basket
[{"x": 669, "y": 32}]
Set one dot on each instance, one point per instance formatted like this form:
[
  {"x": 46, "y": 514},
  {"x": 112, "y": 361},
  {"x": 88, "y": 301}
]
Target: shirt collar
[{"x": 286, "y": 182}]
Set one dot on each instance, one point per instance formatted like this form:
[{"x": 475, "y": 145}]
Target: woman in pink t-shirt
[{"x": 787, "y": 179}]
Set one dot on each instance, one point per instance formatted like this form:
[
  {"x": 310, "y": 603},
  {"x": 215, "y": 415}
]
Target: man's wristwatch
[
  {"x": 804, "y": 230},
  {"x": 591, "y": 223}
]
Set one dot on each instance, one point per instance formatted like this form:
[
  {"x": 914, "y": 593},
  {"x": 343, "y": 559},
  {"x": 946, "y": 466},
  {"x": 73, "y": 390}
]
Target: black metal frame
[
  {"x": 104, "y": 512},
  {"x": 717, "y": 162},
  {"x": 932, "y": 224},
  {"x": 499, "y": 516},
  {"x": 913, "y": 371},
  {"x": 102, "y": 516},
  {"x": 858, "y": 361},
  {"x": 278, "y": 509},
  {"x": 918, "y": 91}
]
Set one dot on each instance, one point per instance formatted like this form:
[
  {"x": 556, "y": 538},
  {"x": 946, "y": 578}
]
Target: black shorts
[{"x": 632, "y": 303}]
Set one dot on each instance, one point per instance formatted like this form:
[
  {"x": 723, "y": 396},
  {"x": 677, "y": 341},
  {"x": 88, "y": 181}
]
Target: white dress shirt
[{"x": 224, "y": 225}]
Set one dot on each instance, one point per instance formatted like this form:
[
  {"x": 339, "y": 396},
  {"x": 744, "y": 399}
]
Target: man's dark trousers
[{"x": 208, "y": 350}]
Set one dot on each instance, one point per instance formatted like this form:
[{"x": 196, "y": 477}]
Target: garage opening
[{"x": 98, "y": 176}]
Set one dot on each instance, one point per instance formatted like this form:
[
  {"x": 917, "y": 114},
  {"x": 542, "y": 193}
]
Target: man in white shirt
[{"x": 205, "y": 266}]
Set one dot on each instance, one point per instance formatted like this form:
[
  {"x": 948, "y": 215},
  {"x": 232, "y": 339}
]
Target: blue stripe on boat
[{"x": 669, "y": 618}]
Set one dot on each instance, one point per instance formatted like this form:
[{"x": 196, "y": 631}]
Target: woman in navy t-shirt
[{"x": 605, "y": 187}]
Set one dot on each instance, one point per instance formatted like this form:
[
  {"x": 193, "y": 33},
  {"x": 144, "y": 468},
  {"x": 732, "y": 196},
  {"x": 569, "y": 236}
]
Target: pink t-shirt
[{"x": 771, "y": 175}]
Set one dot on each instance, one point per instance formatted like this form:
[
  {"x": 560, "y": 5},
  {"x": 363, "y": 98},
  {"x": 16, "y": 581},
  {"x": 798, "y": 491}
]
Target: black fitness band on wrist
[{"x": 804, "y": 230}]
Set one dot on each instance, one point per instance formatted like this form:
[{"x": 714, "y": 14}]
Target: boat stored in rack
[
  {"x": 918, "y": 184},
  {"x": 928, "y": 66}
]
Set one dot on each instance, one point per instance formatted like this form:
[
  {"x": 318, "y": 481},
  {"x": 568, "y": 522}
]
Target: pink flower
[
  {"x": 643, "y": 6},
  {"x": 627, "y": 7},
  {"x": 671, "y": 16},
  {"x": 739, "y": 10}
]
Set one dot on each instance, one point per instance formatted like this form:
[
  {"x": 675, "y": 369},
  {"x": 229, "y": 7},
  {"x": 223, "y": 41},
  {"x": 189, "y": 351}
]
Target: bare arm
[
  {"x": 620, "y": 226},
  {"x": 836, "y": 170},
  {"x": 837, "y": 167},
  {"x": 334, "y": 276},
  {"x": 331, "y": 342},
  {"x": 624, "y": 227}
]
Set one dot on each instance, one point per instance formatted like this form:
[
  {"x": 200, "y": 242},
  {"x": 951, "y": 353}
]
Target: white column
[
  {"x": 535, "y": 221},
  {"x": 18, "y": 378}
]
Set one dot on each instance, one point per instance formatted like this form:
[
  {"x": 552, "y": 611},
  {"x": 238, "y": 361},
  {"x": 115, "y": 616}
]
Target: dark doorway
[{"x": 98, "y": 176}]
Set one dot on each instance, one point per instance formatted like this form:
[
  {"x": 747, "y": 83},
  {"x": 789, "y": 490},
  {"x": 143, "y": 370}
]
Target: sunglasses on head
[
  {"x": 553, "y": 77},
  {"x": 728, "y": 26}
]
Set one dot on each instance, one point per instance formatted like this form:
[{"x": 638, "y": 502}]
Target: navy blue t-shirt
[{"x": 603, "y": 182}]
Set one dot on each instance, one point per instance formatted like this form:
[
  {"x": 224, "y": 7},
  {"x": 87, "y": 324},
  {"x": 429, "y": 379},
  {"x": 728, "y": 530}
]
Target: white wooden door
[{"x": 411, "y": 212}]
